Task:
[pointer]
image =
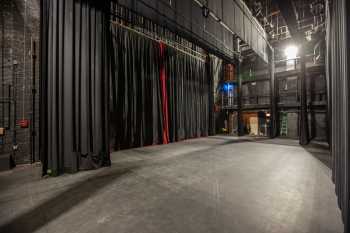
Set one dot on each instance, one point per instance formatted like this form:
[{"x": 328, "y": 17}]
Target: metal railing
[
  {"x": 229, "y": 102},
  {"x": 256, "y": 100}
]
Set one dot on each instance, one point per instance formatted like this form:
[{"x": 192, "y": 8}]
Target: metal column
[
  {"x": 239, "y": 101},
  {"x": 239, "y": 88},
  {"x": 303, "y": 117},
  {"x": 273, "y": 95}
]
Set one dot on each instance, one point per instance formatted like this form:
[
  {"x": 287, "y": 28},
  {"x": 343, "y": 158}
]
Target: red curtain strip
[{"x": 163, "y": 82}]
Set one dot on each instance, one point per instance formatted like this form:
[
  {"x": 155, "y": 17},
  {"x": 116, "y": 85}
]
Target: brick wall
[{"x": 19, "y": 26}]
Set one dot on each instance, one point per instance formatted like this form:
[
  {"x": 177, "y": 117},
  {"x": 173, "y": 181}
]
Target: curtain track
[{"x": 172, "y": 44}]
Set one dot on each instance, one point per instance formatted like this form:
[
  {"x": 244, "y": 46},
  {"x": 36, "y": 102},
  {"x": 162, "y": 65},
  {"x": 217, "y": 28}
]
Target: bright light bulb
[{"x": 291, "y": 52}]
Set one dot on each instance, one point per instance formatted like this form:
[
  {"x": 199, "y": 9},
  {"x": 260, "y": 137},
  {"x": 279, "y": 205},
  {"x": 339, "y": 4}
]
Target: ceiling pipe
[{"x": 217, "y": 19}]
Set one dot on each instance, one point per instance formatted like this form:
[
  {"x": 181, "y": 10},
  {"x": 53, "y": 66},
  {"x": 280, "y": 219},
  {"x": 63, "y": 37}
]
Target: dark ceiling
[{"x": 283, "y": 19}]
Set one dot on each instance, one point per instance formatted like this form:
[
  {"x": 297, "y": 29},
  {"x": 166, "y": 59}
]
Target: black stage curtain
[
  {"x": 158, "y": 94},
  {"x": 338, "y": 63},
  {"x": 189, "y": 96},
  {"x": 136, "y": 105},
  {"x": 74, "y": 85},
  {"x": 103, "y": 85}
]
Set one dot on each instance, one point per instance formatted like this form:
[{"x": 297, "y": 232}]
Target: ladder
[{"x": 284, "y": 124}]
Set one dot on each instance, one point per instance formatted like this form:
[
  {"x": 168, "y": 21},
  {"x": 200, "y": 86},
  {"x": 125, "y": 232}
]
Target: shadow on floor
[
  {"x": 265, "y": 140},
  {"x": 39, "y": 216},
  {"x": 61, "y": 203},
  {"x": 239, "y": 139},
  {"x": 320, "y": 152}
]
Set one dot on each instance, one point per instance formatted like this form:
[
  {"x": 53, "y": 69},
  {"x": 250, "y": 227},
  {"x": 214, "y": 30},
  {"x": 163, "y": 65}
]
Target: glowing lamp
[{"x": 291, "y": 52}]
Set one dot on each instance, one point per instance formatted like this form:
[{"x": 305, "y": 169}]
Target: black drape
[
  {"x": 210, "y": 73},
  {"x": 189, "y": 96},
  {"x": 137, "y": 113},
  {"x": 338, "y": 63},
  {"x": 136, "y": 107},
  {"x": 102, "y": 84},
  {"x": 74, "y": 85}
]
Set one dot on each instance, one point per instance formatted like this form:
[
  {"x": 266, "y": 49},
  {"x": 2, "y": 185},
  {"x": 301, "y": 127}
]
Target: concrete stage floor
[{"x": 217, "y": 184}]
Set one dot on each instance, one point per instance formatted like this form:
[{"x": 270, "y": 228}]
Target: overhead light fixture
[
  {"x": 205, "y": 11},
  {"x": 291, "y": 52},
  {"x": 308, "y": 35}
]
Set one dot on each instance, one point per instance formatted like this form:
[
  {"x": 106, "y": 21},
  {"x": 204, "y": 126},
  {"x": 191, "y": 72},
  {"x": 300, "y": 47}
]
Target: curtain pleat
[
  {"x": 103, "y": 87},
  {"x": 338, "y": 34},
  {"x": 158, "y": 94},
  {"x": 73, "y": 86},
  {"x": 136, "y": 111},
  {"x": 163, "y": 81},
  {"x": 189, "y": 96}
]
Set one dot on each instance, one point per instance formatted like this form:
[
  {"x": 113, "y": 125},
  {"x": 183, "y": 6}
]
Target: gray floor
[{"x": 216, "y": 184}]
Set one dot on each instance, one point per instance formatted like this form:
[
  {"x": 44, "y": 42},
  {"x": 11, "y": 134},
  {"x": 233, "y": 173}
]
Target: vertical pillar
[
  {"x": 273, "y": 95},
  {"x": 33, "y": 123},
  {"x": 239, "y": 90},
  {"x": 303, "y": 117},
  {"x": 239, "y": 100},
  {"x": 212, "y": 92}
]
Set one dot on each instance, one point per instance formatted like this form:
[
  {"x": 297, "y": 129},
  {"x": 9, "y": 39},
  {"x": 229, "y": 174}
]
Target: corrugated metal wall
[{"x": 338, "y": 91}]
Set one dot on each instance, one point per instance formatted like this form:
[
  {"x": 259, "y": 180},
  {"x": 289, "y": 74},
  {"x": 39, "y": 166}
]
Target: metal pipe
[
  {"x": 2, "y": 67},
  {"x": 239, "y": 100},
  {"x": 169, "y": 43},
  {"x": 252, "y": 20},
  {"x": 33, "y": 131},
  {"x": 303, "y": 120},
  {"x": 24, "y": 59},
  {"x": 14, "y": 131},
  {"x": 9, "y": 108}
]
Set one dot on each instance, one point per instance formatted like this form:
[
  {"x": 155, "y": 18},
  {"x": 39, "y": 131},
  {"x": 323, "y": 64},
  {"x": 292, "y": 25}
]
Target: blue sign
[{"x": 227, "y": 87}]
